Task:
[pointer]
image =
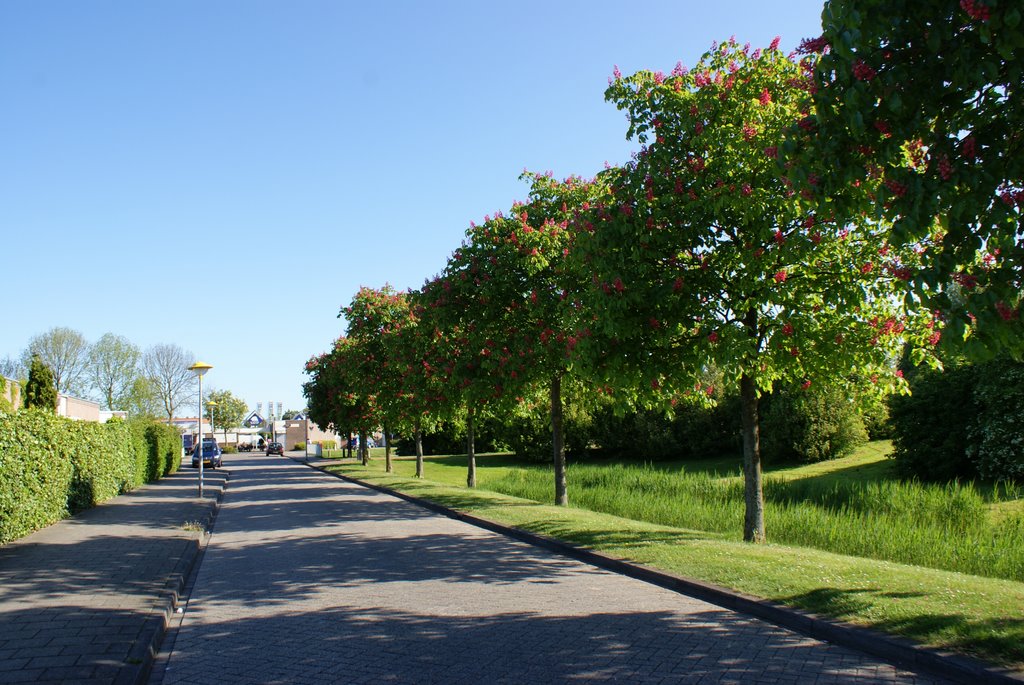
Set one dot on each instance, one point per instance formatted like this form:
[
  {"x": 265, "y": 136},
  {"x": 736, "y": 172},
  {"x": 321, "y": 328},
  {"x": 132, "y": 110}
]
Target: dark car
[
  {"x": 275, "y": 448},
  {"x": 210, "y": 454}
]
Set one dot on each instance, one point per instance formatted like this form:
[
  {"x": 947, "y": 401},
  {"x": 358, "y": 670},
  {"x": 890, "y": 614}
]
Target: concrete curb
[
  {"x": 143, "y": 654},
  {"x": 896, "y": 650}
]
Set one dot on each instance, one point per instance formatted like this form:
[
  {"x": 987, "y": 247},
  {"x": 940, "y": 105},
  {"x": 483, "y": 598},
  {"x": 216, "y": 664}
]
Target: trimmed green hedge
[{"x": 52, "y": 467}]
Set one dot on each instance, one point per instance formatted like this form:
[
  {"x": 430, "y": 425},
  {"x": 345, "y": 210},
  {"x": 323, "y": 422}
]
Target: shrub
[
  {"x": 299, "y": 446},
  {"x": 40, "y": 391},
  {"x": 35, "y": 472},
  {"x": 705, "y": 432},
  {"x": 644, "y": 433},
  {"x": 931, "y": 425},
  {"x": 229, "y": 449},
  {"x": 995, "y": 443},
  {"x": 809, "y": 425},
  {"x": 328, "y": 445},
  {"x": 52, "y": 466}
]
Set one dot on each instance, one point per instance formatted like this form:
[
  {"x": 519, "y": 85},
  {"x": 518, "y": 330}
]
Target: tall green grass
[{"x": 938, "y": 526}]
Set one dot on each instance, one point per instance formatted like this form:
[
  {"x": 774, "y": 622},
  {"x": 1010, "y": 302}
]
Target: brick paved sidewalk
[
  {"x": 87, "y": 599},
  {"x": 309, "y": 579}
]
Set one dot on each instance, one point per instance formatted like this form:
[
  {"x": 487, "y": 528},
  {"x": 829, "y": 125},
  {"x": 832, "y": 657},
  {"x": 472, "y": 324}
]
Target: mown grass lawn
[{"x": 971, "y": 614}]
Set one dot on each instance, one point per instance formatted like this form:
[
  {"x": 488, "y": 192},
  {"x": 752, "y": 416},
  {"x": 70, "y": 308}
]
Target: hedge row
[
  {"x": 964, "y": 422},
  {"x": 52, "y": 467}
]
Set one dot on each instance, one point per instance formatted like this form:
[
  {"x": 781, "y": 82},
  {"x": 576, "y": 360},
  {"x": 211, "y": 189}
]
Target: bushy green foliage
[
  {"x": 809, "y": 425},
  {"x": 527, "y": 432},
  {"x": 161, "y": 453},
  {"x": 103, "y": 462},
  {"x": 40, "y": 391},
  {"x": 35, "y": 472},
  {"x": 874, "y": 412},
  {"x": 996, "y": 439},
  {"x": 710, "y": 431},
  {"x": 328, "y": 445},
  {"x": 647, "y": 434},
  {"x": 51, "y": 466},
  {"x": 449, "y": 437},
  {"x": 931, "y": 426},
  {"x": 299, "y": 446}
]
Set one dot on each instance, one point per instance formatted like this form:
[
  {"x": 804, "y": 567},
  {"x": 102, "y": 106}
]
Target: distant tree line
[{"x": 112, "y": 371}]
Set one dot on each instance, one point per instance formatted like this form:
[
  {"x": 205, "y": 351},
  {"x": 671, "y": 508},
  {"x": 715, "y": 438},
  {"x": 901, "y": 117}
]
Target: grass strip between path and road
[{"x": 971, "y": 615}]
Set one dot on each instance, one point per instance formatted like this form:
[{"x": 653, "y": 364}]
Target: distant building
[
  {"x": 77, "y": 408},
  {"x": 295, "y": 432},
  {"x": 11, "y": 392}
]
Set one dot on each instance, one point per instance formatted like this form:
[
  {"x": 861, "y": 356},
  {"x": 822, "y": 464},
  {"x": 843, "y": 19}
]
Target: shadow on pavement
[{"x": 376, "y": 645}]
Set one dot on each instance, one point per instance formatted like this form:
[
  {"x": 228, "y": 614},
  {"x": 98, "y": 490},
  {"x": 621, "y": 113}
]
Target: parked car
[
  {"x": 211, "y": 454},
  {"x": 275, "y": 448}
]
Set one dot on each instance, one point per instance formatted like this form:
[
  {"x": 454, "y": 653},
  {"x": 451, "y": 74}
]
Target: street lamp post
[
  {"x": 213, "y": 420},
  {"x": 199, "y": 369}
]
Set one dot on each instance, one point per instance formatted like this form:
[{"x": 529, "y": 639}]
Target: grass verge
[{"x": 973, "y": 615}]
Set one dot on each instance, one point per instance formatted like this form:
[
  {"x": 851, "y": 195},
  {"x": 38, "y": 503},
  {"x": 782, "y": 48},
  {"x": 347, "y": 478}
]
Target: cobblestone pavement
[
  {"x": 84, "y": 600},
  {"x": 309, "y": 579}
]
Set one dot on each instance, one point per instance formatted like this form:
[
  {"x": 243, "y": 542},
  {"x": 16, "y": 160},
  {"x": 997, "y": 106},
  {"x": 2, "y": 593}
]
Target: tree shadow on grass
[{"x": 996, "y": 639}]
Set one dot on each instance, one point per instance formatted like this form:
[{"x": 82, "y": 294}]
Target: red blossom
[
  {"x": 975, "y": 10},
  {"x": 863, "y": 72},
  {"x": 811, "y": 45},
  {"x": 805, "y": 385},
  {"x": 772, "y": 151},
  {"x": 766, "y": 97},
  {"x": 787, "y": 329},
  {"x": 780, "y": 276},
  {"x": 1005, "y": 312},
  {"x": 969, "y": 147}
]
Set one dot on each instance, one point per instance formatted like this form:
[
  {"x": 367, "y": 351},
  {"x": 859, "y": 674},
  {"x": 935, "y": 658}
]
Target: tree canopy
[{"x": 919, "y": 120}]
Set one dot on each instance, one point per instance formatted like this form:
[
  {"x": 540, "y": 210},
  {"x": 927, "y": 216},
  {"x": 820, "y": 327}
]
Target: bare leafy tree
[
  {"x": 113, "y": 368},
  {"x": 13, "y": 368},
  {"x": 66, "y": 352},
  {"x": 142, "y": 398},
  {"x": 167, "y": 366}
]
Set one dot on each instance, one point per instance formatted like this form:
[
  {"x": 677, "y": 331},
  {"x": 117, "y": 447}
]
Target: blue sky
[{"x": 224, "y": 175}]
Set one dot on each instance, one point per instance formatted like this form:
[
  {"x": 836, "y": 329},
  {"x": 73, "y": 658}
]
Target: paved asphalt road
[{"x": 309, "y": 579}]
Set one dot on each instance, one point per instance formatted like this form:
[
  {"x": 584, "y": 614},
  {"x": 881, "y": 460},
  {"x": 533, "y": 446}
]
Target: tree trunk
[
  {"x": 364, "y": 451},
  {"x": 348, "y": 444},
  {"x": 387, "y": 449},
  {"x": 470, "y": 451},
  {"x": 418, "y": 433},
  {"x": 558, "y": 441},
  {"x": 753, "y": 520}
]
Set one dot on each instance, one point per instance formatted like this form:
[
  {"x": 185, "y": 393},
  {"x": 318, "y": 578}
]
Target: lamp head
[{"x": 199, "y": 368}]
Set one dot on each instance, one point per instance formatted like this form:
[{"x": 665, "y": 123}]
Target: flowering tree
[
  {"x": 704, "y": 257},
  {"x": 336, "y": 393},
  {"x": 919, "y": 119},
  {"x": 513, "y": 291},
  {"x": 373, "y": 316},
  {"x": 460, "y": 364}
]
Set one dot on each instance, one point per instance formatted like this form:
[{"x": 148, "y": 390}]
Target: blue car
[{"x": 210, "y": 452}]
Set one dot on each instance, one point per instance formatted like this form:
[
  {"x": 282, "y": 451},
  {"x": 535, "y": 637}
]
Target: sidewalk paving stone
[
  {"x": 86, "y": 599},
  {"x": 308, "y": 578}
]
